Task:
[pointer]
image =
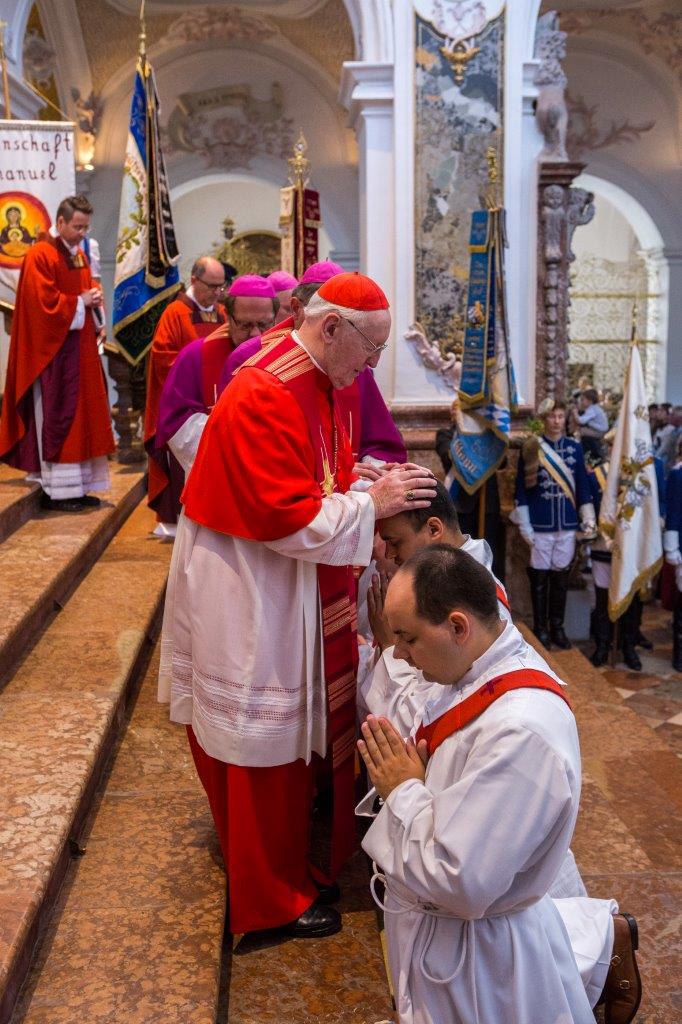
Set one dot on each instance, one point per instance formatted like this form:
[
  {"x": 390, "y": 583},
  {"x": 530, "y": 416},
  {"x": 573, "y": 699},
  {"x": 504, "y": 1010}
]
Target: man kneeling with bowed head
[{"x": 479, "y": 809}]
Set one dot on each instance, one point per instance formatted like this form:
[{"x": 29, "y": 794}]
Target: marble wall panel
[{"x": 455, "y": 124}]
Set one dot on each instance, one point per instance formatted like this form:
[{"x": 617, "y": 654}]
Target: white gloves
[
  {"x": 588, "y": 520},
  {"x": 671, "y": 546},
  {"x": 521, "y": 516}
]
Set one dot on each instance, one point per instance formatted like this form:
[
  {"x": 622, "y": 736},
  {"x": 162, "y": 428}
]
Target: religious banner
[
  {"x": 146, "y": 276},
  {"x": 487, "y": 392},
  {"x": 37, "y": 171},
  {"x": 299, "y": 217},
  {"x": 629, "y": 514}
]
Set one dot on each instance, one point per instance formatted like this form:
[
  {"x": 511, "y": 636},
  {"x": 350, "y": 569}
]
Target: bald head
[{"x": 208, "y": 280}]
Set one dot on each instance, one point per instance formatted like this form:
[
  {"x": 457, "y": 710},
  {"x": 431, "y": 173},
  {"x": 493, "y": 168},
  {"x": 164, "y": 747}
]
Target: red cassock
[
  {"x": 182, "y": 321},
  {"x": 261, "y": 479},
  {"x": 77, "y": 424}
]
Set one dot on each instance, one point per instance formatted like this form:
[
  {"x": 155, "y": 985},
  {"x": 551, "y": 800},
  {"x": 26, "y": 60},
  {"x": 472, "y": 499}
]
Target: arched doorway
[{"x": 619, "y": 270}]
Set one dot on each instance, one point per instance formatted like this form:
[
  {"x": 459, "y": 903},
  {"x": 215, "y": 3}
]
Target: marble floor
[{"x": 655, "y": 693}]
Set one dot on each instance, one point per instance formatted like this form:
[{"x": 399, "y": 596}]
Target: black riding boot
[
  {"x": 558, "y": 589},
  {"x": 628, "y": 625},
  {"x": 641, "y": 641},
  {"x": 603, "y": 630},
  {"x": 677, "y": 633},
  {"x": 539, "y": 594}
]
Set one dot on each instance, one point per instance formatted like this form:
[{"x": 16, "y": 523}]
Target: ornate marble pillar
[
  {"x": 129, "y": 382},
  {"x": 560, "y": 210}
]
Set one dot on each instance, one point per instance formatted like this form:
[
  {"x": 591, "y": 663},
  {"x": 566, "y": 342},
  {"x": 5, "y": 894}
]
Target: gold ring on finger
[{"x": 409, "y": 496}]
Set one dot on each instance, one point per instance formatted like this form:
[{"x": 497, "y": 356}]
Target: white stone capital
[{"x": 366, "y": 88}]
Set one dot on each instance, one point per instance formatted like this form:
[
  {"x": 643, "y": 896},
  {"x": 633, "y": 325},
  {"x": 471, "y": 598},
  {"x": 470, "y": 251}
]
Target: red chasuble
[
  {"x": 274, "y": 446},
  {"x": 181, "y": 322},
  {"x": 469, "y": 709},
  {"x": 77, "y": 424}
]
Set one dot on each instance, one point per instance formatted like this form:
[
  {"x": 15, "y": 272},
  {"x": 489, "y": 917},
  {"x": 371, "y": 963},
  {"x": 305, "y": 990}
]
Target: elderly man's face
[
  {"x": 208, "y": 285},
  {"x": 350, "y": 349},
  {"x": 252, "y": 316}
]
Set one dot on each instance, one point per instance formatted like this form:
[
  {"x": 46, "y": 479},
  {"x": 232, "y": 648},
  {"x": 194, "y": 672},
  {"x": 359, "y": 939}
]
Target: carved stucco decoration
[
  {"x": 586, "y": 134},
  {"x": 39, "y": 59},
  {"x": 229, "y": 127},
  {"x": 551, "y": 112},
  {"x": 111, "y": 37},
  {"x": 89, "y": 110},
  {"x": 433, "y": 357},
  {"x": 658, "y": 33},
  {"x": 226, "y": 23}
]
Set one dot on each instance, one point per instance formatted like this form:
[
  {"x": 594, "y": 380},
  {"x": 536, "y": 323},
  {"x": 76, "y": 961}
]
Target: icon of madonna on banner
[{"x": 22, "y": 219}]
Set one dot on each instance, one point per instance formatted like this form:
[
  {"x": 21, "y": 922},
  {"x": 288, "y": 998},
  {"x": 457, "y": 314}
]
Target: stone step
[
  {"x": 137, "y": 930},
  {"x": 59, "y": 717},
  {"x": 42, "y": 562},
  {"x": 19, "y": 500}
]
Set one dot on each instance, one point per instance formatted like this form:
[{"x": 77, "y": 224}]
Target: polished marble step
[
  {"x": 137, "y": 930},
  {"x": 60, "y": 715},
  {"x": 19, "y": 500},
  {"x": 43, "y": 560}
]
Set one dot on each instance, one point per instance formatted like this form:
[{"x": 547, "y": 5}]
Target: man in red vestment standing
[
  {"x": 55, "y": 414},
  {"x": 259, "y": 648}
]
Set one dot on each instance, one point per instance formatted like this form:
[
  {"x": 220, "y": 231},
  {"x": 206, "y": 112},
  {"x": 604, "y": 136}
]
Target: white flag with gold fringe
[{"x": 629, "y": 514}]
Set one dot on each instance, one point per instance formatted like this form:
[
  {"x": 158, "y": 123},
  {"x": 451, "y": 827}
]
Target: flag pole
[
  {"x": 143, "y": 37},
  {"x": 5, "y": 75}
]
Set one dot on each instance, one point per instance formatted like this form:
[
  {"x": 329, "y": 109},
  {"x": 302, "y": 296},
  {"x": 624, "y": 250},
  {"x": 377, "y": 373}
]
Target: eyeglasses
[
  {"x": 248, "y": 325},
  {"x": 212, "y": 287},
  {"x": 374, "y": 349}
]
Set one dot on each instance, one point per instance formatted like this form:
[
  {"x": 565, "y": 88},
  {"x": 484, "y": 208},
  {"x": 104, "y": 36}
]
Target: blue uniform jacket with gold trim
[{"x": 549, "y": 508}]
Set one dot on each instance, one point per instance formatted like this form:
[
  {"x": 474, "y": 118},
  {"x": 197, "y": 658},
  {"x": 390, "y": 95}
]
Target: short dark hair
[
  {"x": 442, "y": 507},
  {"x": 592, "y": 395},
  {"x": 305, "y": 292},
  {"x": 447, "y": 578},
  {"x": 231, "y": 299},
  {"x": 71, "y": 204}
]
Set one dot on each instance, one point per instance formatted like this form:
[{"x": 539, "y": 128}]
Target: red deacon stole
[
  {"x": 469, "y": 709},
  {"x": 334, "y": 471}
]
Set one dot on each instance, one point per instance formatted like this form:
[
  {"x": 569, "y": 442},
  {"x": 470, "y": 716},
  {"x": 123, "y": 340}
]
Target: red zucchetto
[{"x": 353, "y": 291}]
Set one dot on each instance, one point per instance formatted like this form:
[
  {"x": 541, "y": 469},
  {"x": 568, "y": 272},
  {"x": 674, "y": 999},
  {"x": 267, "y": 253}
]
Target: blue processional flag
[
  {"x": 146, "y": 276},
  {"x": 487, "y": 392}
]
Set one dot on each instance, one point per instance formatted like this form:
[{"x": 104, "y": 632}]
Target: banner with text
[{"x": 37, "y": 170}]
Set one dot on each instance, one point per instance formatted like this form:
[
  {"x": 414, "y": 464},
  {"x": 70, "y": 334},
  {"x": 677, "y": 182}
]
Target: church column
[
  {"x": 367, "y": 92},
  {"x": 673, "y": 377},
  {"x": 561, "y": 210}
]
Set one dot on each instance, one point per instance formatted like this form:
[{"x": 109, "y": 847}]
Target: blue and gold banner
[{"x": 487, "y": 392}]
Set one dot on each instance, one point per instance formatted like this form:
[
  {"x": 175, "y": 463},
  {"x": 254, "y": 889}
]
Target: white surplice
[
  {"x": 469, "y": 857},
  {"x": 241, "y": 647}
]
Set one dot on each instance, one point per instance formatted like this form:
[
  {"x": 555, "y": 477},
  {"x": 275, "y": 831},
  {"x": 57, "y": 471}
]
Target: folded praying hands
[{"x": 389, "y": 759}]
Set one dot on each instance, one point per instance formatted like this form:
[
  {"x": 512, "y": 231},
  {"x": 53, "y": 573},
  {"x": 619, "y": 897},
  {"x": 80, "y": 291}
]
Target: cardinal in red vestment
[
  {"x": 55, "y": 413},
  {"x": 259, "y": 646}
]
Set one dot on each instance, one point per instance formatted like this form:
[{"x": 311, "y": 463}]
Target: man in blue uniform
[
  {"x": 673, "y": 555},
  {"x": 553, "y": 499},
  {"x": 629, "y": 625}
]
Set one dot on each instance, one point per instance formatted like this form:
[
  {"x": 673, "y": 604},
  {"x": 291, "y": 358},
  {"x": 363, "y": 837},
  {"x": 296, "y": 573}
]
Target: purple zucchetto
[
  {"x": 253, "y": 286},
  {"x": 281, "y": 281},
  {"x": 318, "y": 273}
]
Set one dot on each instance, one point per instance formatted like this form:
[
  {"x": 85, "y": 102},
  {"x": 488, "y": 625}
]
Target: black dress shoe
[
  {"x": 60, "y": 504},
  {"x": 600, "y": 656},
  {"x": 328, "y": 894},
  {"x": 315, "y": 922},
  {"x": 631, "y": 658},
  {"x": 559, "y": 638},
  {"x": 90, "y": 501}
]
